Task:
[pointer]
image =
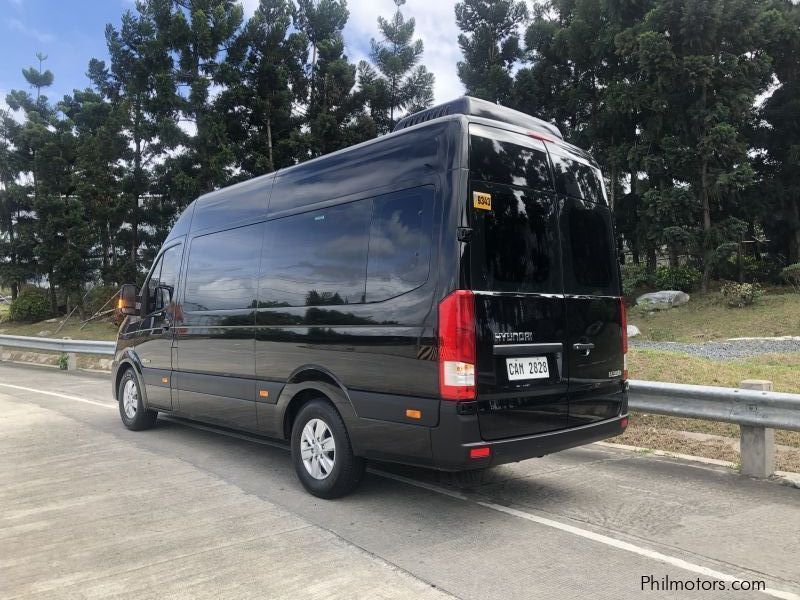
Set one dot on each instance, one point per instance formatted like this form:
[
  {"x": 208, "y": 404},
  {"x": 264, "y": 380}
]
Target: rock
[
  {"x": 633, "y": 331},
  {"x": 664, "y": 299}
]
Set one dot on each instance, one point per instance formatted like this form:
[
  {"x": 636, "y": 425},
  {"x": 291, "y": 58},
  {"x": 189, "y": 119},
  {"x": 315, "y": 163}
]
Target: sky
[{"x": 71, "y": 32}]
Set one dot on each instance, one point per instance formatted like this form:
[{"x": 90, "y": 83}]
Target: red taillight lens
[
  {"x": 483, "y": 452},
  {"x": 624, "y": 324},
  {"x": 457, "y": 346}
]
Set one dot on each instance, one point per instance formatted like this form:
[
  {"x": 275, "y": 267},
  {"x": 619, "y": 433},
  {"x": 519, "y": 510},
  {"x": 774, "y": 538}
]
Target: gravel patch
[{"x": 724, "y": 350}]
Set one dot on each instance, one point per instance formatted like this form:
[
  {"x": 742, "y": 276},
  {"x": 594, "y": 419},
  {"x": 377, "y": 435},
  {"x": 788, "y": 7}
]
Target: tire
[
  {"x": 327, "y": 469},
  {"x": 133, "y": 413}
]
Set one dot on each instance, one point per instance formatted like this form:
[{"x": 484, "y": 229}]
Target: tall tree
[
  {"x": 399, "y": 84},
  {"x": 779, "y": 136},
  {"x": 266, "y": 79},
  {"x": 490, "y": 45},
  {"x": 331, "y": 114},
  {"x": 199, "y": 33},
  {"x": 140, "y": 85},
  {"x": 17, "y": 220}
]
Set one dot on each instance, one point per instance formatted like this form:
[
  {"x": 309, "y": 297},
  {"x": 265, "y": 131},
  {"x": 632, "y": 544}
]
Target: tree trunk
[
  {"x": 634, "y": 229},
  {"x": 707, "y": 249},
  {"x": 794, "y": 238},
  {"x": 673, "y": 256},
  {"x": 269, "y": 143},
  {"x": 53, "y": 297},
  {"x": 14, "y": 290},
  {"x": 651, "y": 259},
  {"x": 137, "y": 177}
]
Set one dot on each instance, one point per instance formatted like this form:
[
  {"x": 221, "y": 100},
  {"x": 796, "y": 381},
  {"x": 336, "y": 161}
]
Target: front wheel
[
  {"x": 134, "y": 415},
  {"x": 321, "y": 452}
]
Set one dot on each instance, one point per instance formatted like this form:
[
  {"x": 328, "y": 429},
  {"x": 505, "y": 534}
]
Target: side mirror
[{"x": 127, "y": 299}]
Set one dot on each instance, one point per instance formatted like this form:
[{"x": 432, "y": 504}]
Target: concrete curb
[{"x": 785, "y": 477}]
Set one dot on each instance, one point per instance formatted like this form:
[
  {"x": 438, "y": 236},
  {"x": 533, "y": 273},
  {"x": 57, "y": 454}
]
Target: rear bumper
[{"x": 451, "y": 453}]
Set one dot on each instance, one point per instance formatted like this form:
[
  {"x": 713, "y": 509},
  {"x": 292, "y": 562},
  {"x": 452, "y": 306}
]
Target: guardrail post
[
  {"x": 757, "y": 444},
  {"x": 72, "y": 361}
]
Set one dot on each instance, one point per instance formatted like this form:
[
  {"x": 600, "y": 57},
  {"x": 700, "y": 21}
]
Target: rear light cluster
[
  {"x": 624, "y": 322},
  {"x": 457, "y": 346}
]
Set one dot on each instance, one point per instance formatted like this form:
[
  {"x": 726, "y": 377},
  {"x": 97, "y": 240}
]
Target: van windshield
[{"x": 523, "y": 233}]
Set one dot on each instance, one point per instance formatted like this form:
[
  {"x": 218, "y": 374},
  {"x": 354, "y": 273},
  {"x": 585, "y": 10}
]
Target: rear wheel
[
  {"x": 321, "y": 451},
  {"x": 134, "y": 415}
]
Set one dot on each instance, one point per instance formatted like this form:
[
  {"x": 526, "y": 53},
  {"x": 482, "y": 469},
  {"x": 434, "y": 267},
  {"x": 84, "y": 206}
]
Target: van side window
[
  {"x": 578, "y": 180},
  {"x": 316, "y": 258},
  {"x": 399, "y": 243},
  {"x": 222, "y": 269},
  {"x": 164, "y": 279}
]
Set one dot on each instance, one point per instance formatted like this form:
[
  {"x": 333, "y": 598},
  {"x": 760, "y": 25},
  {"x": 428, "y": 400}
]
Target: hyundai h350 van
[{"x": 446, "y": 296}]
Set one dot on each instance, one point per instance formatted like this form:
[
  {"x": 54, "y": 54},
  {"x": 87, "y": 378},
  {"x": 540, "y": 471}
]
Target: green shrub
[
  {"x": 683, "y": 278},
  {"x": 791, "y": 275},
  {"x": 634, "y": 278},
  {"x": 32, "y": 304},
  {"x": 63, "y": 362},
  {"x": 739, "y": 295}
]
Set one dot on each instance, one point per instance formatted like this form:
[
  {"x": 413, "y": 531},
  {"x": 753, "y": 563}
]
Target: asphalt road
[{"x": 89, "y": 509}]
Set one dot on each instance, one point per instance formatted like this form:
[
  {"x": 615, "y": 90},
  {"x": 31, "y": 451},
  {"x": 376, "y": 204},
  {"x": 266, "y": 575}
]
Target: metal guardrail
[
  {"x": 58, "y": 345},
  {"x": 753, "y": 408}
]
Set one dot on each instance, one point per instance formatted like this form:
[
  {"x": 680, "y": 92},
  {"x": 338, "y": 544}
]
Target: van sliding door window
[
  {"x": 222, "y": 269},
  {"x": 400, "y": 243},
  {"x": 317, "y": 258}
]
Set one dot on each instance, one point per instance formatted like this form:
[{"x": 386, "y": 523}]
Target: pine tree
[
  {"x": 140, "y": 85},
  {"x": 265, "y": 79},
  {"x": 490, "y": 45},
  {"x": 397, "y": 86},
  {"x": 198, "y": 33},
  {"x": 332, "y": 112}
]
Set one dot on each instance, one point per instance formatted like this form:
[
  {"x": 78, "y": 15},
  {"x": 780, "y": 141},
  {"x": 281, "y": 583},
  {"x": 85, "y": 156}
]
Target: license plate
[{"x": 527, "y": 367}]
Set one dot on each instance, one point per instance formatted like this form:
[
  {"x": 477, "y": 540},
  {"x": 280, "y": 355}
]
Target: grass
[
  {"x": 98, "y": 330},
  {"x": 705, "y": 318},
  {"x": 659, "y": 365}
]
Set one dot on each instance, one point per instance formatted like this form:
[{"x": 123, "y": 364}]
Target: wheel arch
[
  {"x": 130, "y": 361},
  {"x": 308, "y": 383}
]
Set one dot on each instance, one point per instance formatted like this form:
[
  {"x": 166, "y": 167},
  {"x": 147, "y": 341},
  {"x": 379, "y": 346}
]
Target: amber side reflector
[
  {"x": 480, "y": 452},
  {"x": 413, "y": 414},
  {"x": 119, "y": 303},
  {"x": 263, "y": 393},
  {"x": 165, "y": 380}
]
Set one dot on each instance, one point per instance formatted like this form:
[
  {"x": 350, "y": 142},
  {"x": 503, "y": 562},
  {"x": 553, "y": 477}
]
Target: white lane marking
[
  {"x": 584, "y": 533},
  {"x": 59, "y": 395}
]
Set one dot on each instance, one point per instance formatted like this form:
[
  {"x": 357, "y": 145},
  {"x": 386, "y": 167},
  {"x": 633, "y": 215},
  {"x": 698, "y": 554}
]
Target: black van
[{"x": 446, "y": 296}]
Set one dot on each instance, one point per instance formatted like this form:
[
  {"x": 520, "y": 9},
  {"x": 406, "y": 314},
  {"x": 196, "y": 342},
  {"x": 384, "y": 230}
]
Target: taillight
[
  {"x": 457, "y": 346},
  {"x": 624, "y": 323}
]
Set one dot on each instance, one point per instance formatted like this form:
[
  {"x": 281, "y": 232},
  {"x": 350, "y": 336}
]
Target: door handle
[{"x": 583, "y": 348}]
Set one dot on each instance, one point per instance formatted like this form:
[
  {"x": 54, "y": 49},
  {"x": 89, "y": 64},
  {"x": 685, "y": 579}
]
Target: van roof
[{"x": 475, "y": 107}]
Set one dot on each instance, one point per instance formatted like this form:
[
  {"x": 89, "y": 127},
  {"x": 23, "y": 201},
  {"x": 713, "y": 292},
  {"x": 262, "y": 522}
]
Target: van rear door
[
  {"x": 593, "y": 350},
  {"x": 514, "y": 271}
]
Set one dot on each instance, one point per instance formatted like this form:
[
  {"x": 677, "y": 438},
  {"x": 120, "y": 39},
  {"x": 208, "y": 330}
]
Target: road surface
[{"x": 89, "y": 509}]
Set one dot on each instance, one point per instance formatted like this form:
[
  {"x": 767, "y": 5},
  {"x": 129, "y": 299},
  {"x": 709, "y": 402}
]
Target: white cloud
[
  {"x": 41, "y": 36},
  {"x": 436, "y": 27}
]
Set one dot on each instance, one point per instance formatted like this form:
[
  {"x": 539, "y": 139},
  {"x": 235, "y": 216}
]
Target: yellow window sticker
[{"x": 482, "y": 200}]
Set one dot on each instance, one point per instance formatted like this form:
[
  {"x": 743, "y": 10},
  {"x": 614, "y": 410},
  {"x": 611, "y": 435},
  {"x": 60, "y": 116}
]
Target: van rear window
[
  {"x": 515, "y": 245},
  {"x": 497, "y": 156},
  {"x": 589, "y": 266},
  {"x": 578, "y": 179}
]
